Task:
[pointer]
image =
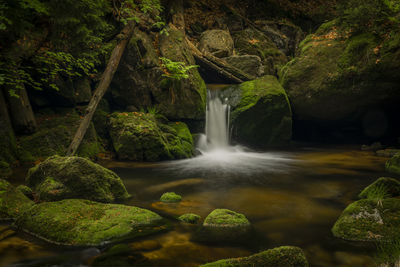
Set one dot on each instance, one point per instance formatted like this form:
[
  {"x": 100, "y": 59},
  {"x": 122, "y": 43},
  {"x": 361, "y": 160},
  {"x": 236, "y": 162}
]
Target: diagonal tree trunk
[{"x": 105, "y": 81}]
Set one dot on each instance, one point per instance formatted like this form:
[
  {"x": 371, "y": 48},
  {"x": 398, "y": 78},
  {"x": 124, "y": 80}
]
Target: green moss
[
  {"x": 262, "y": 117},
  {"x": 285, "y": 256},
  {"x": 55, "y": 134},
  {"x": 75, "y": 177},
  {"x": 225, "y": 217},
  {"x": 5, "y": 169},
  {"x": 393, "y": 164},
  {"x": 190, "y": 218},
  {"x": 82, "y": 222},
  {"x": 13, "y": 203},
  {"x": 364, "y": 220},
  {"x": 359, "y": 51},
  {"x": 391, "y": 186},
  {"x": 170, "y": 197},
  {"x": 27, "y": 191},
  {"x": 140, "y": 136}
]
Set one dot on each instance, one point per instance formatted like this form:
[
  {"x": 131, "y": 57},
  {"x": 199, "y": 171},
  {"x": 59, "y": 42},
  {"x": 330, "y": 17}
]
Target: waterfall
[{"x": 217, "y": 123}]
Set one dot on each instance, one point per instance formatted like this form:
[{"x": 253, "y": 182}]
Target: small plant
[
  {"x": 378, "y": 194},
  {"x": 175, "y": 70},
  {"x": 152, "y": 110}
]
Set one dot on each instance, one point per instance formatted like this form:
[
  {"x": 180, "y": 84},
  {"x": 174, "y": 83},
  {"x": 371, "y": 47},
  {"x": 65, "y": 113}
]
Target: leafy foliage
[{"x": 175, "y": 70}]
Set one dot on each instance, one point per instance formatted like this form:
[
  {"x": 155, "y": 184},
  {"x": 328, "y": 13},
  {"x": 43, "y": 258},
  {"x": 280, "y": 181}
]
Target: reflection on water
[{"x": 291, "y": 198}]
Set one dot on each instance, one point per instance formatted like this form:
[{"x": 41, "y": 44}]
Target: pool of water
[{"x": 290, "y": 197}]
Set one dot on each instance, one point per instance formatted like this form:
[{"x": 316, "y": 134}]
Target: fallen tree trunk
[
  {"x": 106, "y": 78},
  {"x": 225, "y": 70}
]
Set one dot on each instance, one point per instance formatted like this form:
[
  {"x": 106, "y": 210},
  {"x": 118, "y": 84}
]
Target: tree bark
[
  {"x": 22, "y": 116},
  {"x": 7, "y": 141},
  {"x": 105, "y": 81}
]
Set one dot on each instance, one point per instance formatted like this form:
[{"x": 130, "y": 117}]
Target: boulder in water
[
  {"x": 189, "y": 218},
  {"x": 170, "y": 197},
  {"x": 285, "y": 256},
  {"x": 86, "y": 223},
  {"x": 393, "y": 164},
  {"x": 386, "y": 186},
  {"x": 13, "y": 202},
  {"x": 74, "y": 177}
]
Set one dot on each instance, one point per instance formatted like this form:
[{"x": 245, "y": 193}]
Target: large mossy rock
[
  {"x": 13, "y": 202},
  {"x": 55, "y": 133},
  {"x": 260, "y": 113},
  {"x": 253, "y": 42},
  {"x": 139, "y": 82},
  {"x": 285, "y": 256},
  {"x": 389, "y": 186},
  {"x": 219, "y": 43},
  {"x": 85, "y": 223},
  {"x": 223, "y": 225},
  {"x": 393, "y": 164},
  {"x": 249, "y": 64},
  {"x": 141, "y": 137},
  {"x": 369, "y": 220},
  {"x": 344, "y": 86},
  {"x": 74, "y": 177}
]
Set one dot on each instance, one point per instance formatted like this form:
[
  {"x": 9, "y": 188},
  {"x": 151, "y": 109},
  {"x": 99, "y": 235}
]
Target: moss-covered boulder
[
  {"x": 170, "y": 197},
  {"x": 55, "y": 133},
  {"x": 86, "y": 223},
  {"x": 285, "y": 256},
  {"x": 13, "y": 202},
  {"x": 74, "y": 177},
  {"x": 189, "y": 218},
  {"x": 389, "y": 187},
  {"x": 139, "y": 82},
  {"x": 249, "y": 64},
  {"x": 223, "y": 225},
  {"x": 369, "y": 220},
  {"x": 26, "y": 190},
  {"x": 393, "y": 164},
  {"x": 260, "y": 113},
  {"x": 140, "y": 136},
  {"x": 344, "y": 85}
]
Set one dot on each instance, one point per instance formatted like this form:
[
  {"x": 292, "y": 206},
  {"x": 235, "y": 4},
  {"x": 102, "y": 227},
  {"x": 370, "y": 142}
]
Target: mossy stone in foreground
[
  {"x": 190, "y": 218},
  {"x": 170, "y": 197},
  {"x": 87, "y": 223},
  {"x": 390, "y": 185},
  {"x": 285, "y": 256},
  {"x": 223, "y": 225},
  {"x": 12, "y": 201},
  {"x": 74, "y": 177},
  {"x": 393, "y": 164},
  {"x": 367, "y": 220}
]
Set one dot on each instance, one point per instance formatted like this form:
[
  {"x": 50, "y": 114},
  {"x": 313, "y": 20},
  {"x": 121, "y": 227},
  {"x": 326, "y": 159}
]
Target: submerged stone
[
  {"x": 223, "y": 225},
  {"x": 285, "y": 256},
  {"x": 170, "y": 197},
  {"x": 13, "y": 202},
  {"x": 140, "y": 136},
  {"x": 389, "y": 187},
  {"x": 189, "y": 218},
  {"x": 261, "y": 115},
  {"x": 369, "y": 220},
  {"x": 86, "y": 223},
  {"x": 120, "y": 255},
  {"x": 74, "y": 177},
  {"x": 393, "y": 164}
]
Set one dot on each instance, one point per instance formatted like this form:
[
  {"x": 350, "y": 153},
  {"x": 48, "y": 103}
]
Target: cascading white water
[
  {"x": 217, "y": 155},
  {"x": 217, "y": 123}
]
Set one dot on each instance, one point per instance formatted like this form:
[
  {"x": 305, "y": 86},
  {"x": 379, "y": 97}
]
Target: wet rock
[
  {"x": 387, "y": 186},
  {"x": 217, "y": 42},
  {"x": 373, "y": 147},
  {"x": 393, "y": 164},
  {"x": 369, "y": 220},
  {"x": 189, "y": 218},
  {"x": 223, "y": 225},
  {"x": 337, "y": 83},
  {"x": 249, "y": 64},
  {"x": 13, "y": 202},
  {"x": 170, "y": 197},
  {"x": 120, "y": 255},
  {"x": 62, "y": 222},
  {"x": 6, "y": 233},
  {"x": 284, "y": 256},
  {"x": 260, "y": 113},
  {"x": 141, "y": 137},
  {"x": 74, "y": 177}
]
